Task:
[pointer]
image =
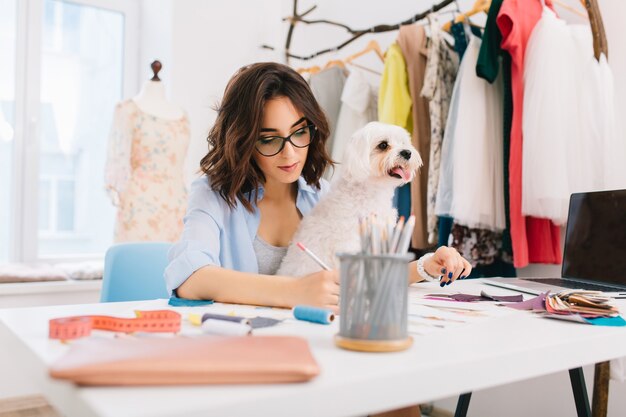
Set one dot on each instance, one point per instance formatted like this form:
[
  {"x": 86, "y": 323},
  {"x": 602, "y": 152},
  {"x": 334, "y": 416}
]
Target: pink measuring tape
[{"x": 75, "y": 327}]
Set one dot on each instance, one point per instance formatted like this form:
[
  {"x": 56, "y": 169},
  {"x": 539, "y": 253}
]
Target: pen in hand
[{"x": 313, "y": 256}]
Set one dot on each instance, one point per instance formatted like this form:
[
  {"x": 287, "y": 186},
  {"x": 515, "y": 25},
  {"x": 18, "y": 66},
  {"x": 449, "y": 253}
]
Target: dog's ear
[{"x": 356, "y": 157}]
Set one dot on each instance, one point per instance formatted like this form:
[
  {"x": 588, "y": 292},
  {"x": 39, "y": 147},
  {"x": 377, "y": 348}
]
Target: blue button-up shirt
[{"x": 215, "y": 234}]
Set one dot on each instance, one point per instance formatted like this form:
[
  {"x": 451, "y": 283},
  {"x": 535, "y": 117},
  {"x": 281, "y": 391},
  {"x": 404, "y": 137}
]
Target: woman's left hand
[{"x": 448, "y": 263}]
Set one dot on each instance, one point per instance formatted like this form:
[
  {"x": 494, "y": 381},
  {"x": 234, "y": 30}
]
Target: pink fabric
[{"x": 534, "y": 240}]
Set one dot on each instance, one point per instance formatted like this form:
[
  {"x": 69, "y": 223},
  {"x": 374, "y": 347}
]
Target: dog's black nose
[{"x": 406, "y": 154}]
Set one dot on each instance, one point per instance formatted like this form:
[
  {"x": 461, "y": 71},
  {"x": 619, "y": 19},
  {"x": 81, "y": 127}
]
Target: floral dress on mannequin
[{"x": 144, "y": 174}]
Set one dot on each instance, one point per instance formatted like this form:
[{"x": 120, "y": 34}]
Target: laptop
[{"x": 594, "y": 257}]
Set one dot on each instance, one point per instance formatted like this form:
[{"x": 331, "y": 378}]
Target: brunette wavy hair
[{"x": 229, "y": 164}]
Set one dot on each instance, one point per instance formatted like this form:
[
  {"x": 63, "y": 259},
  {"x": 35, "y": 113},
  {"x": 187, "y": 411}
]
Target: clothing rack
[
  {"x": 599, "y": 35},
  {"x": 356, "y": 33}
]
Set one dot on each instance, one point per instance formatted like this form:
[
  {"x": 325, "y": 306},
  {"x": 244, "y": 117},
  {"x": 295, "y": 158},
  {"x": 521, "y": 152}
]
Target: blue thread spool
[{"x": 313, "y": 314}]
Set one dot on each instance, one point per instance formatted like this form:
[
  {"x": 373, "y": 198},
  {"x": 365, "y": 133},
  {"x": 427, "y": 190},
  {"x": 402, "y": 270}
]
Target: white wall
[
  {"x": 201, "y": 44},
  {"x": 155, "y": 39}
]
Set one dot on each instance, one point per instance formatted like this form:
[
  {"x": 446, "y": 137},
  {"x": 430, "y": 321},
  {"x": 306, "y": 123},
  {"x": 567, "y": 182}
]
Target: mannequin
[
  {"x": 151, "y": 99},
  {"x": 144, "y": 171}
]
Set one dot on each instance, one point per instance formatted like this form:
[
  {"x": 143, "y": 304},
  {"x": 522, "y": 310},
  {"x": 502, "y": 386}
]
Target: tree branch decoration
[{"x": 296, "y": 18}]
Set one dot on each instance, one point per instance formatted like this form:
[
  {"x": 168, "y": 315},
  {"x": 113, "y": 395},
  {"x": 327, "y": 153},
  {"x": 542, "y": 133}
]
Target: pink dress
[
  {"x": 144, "y": 174},
  {"x": 534, "y": 240}
]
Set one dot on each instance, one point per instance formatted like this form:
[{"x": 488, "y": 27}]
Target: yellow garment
[{"x": 394, "y": 100}]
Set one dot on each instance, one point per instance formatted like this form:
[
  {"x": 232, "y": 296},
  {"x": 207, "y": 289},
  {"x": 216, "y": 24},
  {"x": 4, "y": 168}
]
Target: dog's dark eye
[{"x": 383, "y": 145}]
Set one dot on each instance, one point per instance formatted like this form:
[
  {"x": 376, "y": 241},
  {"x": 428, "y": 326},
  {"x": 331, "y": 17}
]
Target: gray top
[{"x": 268, "y": 257}]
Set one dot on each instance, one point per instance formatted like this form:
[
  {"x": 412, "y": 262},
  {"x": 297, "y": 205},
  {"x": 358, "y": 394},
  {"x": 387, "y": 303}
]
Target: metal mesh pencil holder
[{"x": 373, "y": 307}]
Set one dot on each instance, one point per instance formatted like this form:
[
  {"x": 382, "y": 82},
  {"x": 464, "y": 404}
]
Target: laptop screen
[{"x": 595, "y": 240}]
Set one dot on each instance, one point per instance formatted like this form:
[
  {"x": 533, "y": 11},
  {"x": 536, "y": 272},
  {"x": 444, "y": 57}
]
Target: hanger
[
  {"x": 311, "y": 70},
  {"x": 335, "y": 63},
  {"x": 372, "y": 46},
  {"x": 479, "y": 6},
  {"x": 571, "y": 9},
  {"x": 456, "y": 10},
  {"x": 365, "y": 68}
]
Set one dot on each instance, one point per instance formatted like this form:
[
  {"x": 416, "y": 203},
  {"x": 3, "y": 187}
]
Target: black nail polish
[
  {"x": 442, "y": 284},
  {"x": 463, "y": 277},
  {"x": 450, "y": 274},
  {"x": 443, "y": 271},
  {"x": 449, "y": 282}
]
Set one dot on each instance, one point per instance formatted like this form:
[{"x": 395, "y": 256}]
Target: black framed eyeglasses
[{"x": 272, "y": 145}]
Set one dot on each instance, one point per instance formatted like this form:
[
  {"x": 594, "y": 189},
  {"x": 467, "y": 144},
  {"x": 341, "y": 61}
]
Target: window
[
  {"x": 81, "y": 81},
  {"x": 8, "y": 23},
  {"x": 78, "y": 61}
]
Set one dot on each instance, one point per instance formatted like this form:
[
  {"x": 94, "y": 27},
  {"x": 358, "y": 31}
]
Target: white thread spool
[{"x": 227, "y": 328}]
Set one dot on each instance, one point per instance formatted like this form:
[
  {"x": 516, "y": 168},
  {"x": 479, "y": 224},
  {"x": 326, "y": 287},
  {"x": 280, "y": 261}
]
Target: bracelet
[{"x": 422, "y": 272}]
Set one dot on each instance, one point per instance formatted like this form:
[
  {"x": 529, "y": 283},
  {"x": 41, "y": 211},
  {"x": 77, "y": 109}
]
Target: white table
[{"x": 511, "y": 347}]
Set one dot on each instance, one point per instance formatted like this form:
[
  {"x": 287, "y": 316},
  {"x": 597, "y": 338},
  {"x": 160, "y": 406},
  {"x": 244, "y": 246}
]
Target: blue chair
[{"x": 134, "y": 271}]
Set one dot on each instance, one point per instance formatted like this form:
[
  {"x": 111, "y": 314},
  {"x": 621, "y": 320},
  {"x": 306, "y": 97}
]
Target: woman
[{"x": 262, "y": 174}]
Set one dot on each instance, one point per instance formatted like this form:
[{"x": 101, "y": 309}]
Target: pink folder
[{"x": 187, "y": 360}]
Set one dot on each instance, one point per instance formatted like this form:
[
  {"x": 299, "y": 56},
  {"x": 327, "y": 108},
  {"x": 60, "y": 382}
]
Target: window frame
[{"x": 26, "y": 151}]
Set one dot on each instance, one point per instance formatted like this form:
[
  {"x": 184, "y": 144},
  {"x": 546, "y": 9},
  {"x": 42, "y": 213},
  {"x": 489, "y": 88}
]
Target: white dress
[
  {"x": 591, "y": 108},
  {"x": 443, "y": 200},
  {"x": 473, "y": 159},
  {"x": 556, "y": 149},
  {"x": 602, "y": 130},
  {"x": 571, "y": 142},
  {"x": 327, "y": 86},
  {"x": 614, "y": 146},
  {"x": 359, "y": 106}
]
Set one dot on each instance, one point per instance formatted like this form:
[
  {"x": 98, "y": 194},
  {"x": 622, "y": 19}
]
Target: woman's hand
[
  {"x": 319, "y": 289},
  {"x": 448, "y": 263}
]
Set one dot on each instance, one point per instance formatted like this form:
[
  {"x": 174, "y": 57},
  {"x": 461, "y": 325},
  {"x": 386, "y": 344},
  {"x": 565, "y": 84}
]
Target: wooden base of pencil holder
[{"x": 363, "y": 345}]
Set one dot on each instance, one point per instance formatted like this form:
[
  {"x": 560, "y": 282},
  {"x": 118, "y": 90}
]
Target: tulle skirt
[
  {"x": 602, "y": 129},
  {"x": 568, "y": 119}
]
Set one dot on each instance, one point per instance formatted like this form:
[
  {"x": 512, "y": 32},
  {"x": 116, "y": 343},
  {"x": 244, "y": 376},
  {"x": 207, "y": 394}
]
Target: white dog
[{"x": 378, "y": 158}]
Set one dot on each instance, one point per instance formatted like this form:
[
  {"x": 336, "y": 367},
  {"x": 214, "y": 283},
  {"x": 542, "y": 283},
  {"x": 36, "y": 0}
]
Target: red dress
[{"x": 534, "y": 240}]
